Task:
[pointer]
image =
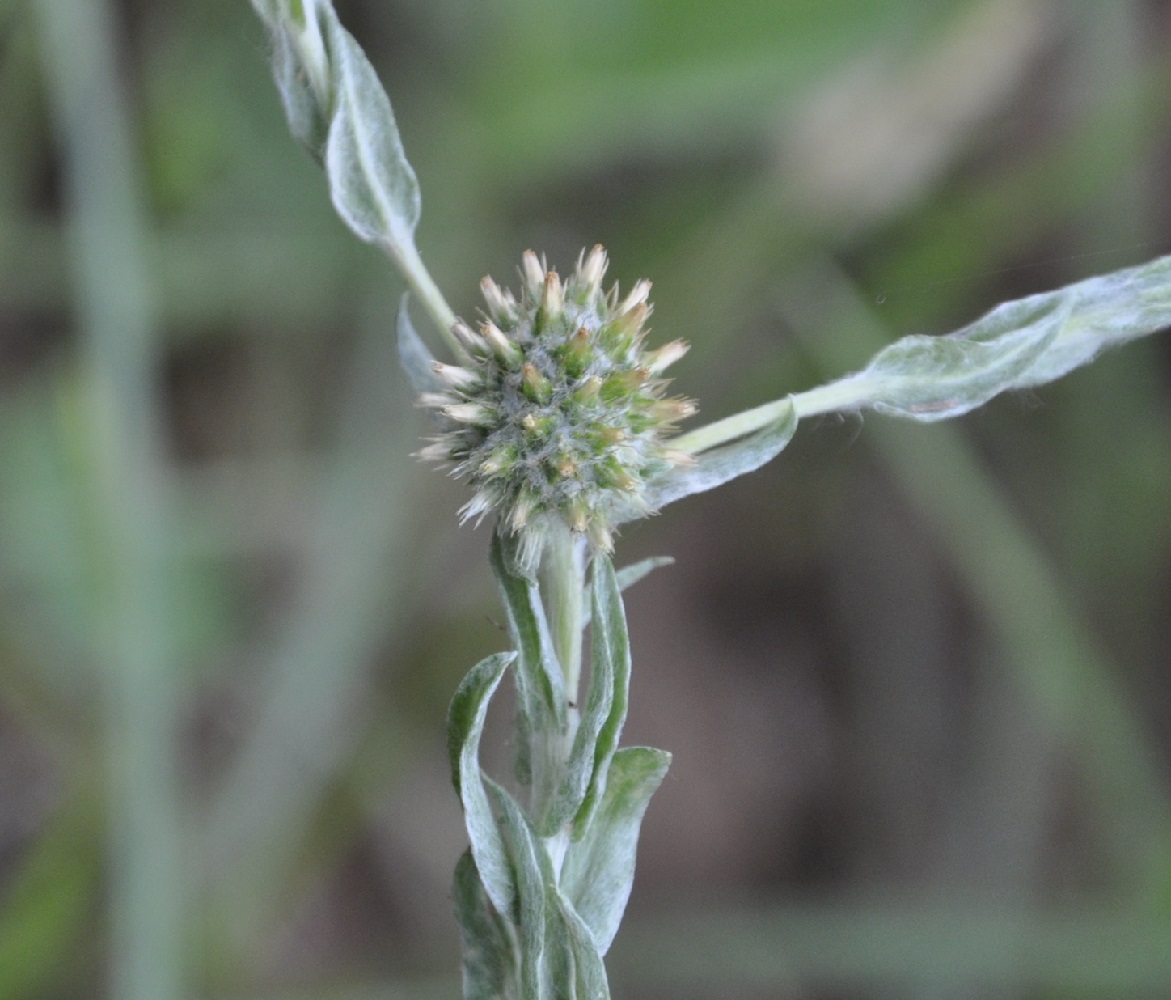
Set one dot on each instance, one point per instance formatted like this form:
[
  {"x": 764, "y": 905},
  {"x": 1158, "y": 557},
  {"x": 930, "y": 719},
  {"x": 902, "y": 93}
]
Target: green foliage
[
  {"x": 599, "y": 865},
  {"x": 540, "y": 894},
  {"x": 465, "y": 725}
]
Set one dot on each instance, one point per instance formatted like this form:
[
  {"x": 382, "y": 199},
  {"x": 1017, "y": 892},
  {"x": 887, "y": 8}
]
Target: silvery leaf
[
  {"x": 489, "y": 952},
  {"x": 1017, "y": 345},
  {"x": 372, "y": 185},
  {"x": 934, "y": 378},
  {"x": 586, "y": 973},
  {"x": 533, "y": 875},
  {"x": 610, "y": 648},
  {"x": 413, "y": 356},
  {"x": 541, "y": 701},
  {"x": 605, "y": 707},
  {"x": 598, "y": 871},
  {"x": 717, "y": 466},
  {"x": 465, "y": 725},
  {"x": 628, "y": 576}
]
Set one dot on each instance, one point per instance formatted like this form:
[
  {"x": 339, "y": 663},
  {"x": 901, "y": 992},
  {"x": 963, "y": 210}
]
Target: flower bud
[
  {"x": 454, "y": 376},
  {"x": 560, "y": 415}
]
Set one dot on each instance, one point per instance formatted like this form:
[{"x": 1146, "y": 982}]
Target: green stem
[
  {"x": 845, "y": 394},
  {"x": 563, "y": 580},
  {"x": 414, "y": 272}
]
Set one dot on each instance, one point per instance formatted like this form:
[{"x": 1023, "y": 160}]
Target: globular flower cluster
[{"x": 558, "y": 411}]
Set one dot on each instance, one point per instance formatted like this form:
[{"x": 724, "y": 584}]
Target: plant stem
[
  {"x": 845, "y": 394},
  {"x": 563, "y": 580},
  {"x": 405, "y": 257}
]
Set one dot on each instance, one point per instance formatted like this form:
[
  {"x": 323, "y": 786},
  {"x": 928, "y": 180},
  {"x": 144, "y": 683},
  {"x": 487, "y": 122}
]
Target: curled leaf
[
  {"x": 465, "y": 726},
  {"x": 598, "y": 872},
  {"x": 584, "y": 771},
  {"x": 414, "y": 357},
  {"x": 489, "y": 955},
  {"x": 934, "y": 378},
  {"x": 1018, "y": 345},
  {"x": 717, "y": 466},
  {"x": 541, "y": 702}
]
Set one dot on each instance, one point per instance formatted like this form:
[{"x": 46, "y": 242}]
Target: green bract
[{"x": 559, "y": 411}]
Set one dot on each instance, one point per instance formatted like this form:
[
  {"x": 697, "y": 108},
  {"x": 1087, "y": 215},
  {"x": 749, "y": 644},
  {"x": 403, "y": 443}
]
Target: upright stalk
[{"x": 563, "y": 582}]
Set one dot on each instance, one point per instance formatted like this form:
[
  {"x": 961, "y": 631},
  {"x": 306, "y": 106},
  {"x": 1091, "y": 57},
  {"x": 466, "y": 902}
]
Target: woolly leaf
[
  {"x": 541, "y": 703},
  {"x": 934, "y": 378},
  {"x": 609, "y": 671},
  {"x": 628, "y": 576},
  {"x": 489, "y": 957},
  {"x": 598, "y": 871},
  {"x": 719, "y": 465},
  {"x": 1017, "y": 345},
  {"x": 533, "y": 875},
  {"x": 372, "y": 185},
  {"x": 586, "y": 973},
  {"x": 414, "y": 357},
  {"x": 465, "y": 725},
  {"x": 299, "y": 69},
  {"x": 1104, "y": 312},
  {"x": 307, "y": 121},
  {"x": 338, "y": 110},
  {"x": 605, "y": 707}
]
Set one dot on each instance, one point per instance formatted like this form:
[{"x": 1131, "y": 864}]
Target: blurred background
[{"x": 915, "y": 679}]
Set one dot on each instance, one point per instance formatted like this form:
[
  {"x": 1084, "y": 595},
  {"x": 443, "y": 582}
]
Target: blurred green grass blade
[
  {"x": 653, "y": 80},
  {"x": 313, "y": 694},
  {"x": 50, "y": 903},
  {"x": 131, "y": 612}
]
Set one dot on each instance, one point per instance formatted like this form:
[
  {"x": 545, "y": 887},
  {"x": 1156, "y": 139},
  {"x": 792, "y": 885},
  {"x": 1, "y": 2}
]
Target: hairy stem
[
  {"x": 414, "y": 272},
  {"x": 563, "y": 581}
]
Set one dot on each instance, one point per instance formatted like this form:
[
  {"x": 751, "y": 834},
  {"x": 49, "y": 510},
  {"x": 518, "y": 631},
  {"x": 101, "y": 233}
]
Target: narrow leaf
[
  {"x": 1105, "y": 311},
  {"x": 604, "y": 711},
  {"x": 628, "y": 576},
  {"x": 588, "y": 970},
  {"x": 1017, "y": 345},
  {"x": 413, "y": 356},
  {"x": 372, "y": 185},
  {"x": 719, "y": 465},
  {"x": 558, "y": 966},
  {"x": 465, "y": 725},
  {"x": 489, "y": 948},
  {"x": 610, "y": 666},
  {"x": 307, "y": 119},
  {"x": 934, "y": 378},
  {"x": 533, "y": 875},
  {"x": 299, "y": 70},
  {"x": 541, "y": 701},
  {"x": 598, "y": 871}
]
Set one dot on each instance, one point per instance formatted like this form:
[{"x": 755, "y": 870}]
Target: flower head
[{"x": 561, "y": 413}]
